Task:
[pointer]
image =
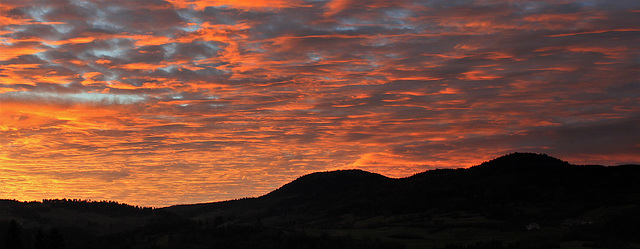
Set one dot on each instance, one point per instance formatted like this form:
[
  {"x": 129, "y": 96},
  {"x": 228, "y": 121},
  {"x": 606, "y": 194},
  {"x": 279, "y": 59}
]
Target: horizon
[
  {"x": 156, "y": 103},
  {"x": 294, "y": 179}
]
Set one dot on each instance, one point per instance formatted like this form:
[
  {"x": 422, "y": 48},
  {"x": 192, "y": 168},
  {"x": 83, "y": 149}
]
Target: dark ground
[{"x": 520, "y": 200}]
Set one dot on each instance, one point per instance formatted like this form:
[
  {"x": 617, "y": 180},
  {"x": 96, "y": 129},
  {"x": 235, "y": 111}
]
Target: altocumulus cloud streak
[{"x": 162, "y": 102}]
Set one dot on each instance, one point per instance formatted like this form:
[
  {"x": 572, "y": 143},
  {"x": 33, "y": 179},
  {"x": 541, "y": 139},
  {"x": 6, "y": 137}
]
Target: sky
[{"x": 157, "y": 103}]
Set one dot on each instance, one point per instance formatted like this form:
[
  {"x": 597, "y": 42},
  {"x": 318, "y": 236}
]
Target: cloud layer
[{"x": 157, "y": 102}]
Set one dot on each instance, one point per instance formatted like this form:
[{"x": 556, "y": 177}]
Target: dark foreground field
[{"x": 519, "y": 200}]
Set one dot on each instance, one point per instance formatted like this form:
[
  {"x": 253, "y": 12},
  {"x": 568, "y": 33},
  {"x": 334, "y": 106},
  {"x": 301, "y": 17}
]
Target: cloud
[
  {"x": 44, "y": 97},
  {"x": 235, "y": 98}
]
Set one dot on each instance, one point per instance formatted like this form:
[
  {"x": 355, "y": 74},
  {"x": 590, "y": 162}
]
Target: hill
[{"x": 520, "y": 200}]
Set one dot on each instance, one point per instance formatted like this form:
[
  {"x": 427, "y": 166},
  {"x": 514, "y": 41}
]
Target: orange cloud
[
  {"x": 10, "y": 52},
  {"x": 479, "y": 75},
  {"x": 594, "y": 32},
  {"x": 241, "y": 4},
  {"x": 240, "y": 98}
]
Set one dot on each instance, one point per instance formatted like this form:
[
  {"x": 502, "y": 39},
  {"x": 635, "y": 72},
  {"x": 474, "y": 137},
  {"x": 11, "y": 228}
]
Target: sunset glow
[{"x": 183, "y": 101}]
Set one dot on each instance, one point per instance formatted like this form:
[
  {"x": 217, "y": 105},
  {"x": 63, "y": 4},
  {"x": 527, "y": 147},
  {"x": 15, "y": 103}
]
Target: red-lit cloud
[{"x": 167, "y": 102}]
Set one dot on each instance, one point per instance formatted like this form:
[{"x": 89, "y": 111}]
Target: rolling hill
[{"x": 520, "y": 200}]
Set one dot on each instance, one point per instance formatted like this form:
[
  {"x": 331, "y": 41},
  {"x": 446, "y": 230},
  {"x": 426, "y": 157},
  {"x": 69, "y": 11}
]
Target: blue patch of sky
[{"x": 105, "y": 98}]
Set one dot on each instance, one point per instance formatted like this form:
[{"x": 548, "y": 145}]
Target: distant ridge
[
  {"x": 568, "y": 206},
  {"x": 330, "y": 182},
  {"x": 522, "y": 177},
  {"x": 523, "y": 161}
]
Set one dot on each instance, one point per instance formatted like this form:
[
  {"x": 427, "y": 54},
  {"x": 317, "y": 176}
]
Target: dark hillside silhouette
[
  {"x": 329, "y": 183},
  {"x": 523, "y": 162},
  {"x": 520, "y": 200}
]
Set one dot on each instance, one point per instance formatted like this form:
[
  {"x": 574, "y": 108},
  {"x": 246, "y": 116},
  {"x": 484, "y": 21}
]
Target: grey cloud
[
  {"x": 616, "y": 137},
  {"x": 323, "y": 90}
]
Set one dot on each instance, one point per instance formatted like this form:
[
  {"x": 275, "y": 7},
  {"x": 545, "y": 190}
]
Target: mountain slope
[
  {"x": 327, "y": 183},
  {"x": 502, "y": 196},
  {"x": 523, "y": 178},
  {"x": 485, "y": 206},
  {"x": 517, "y": 177}
]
